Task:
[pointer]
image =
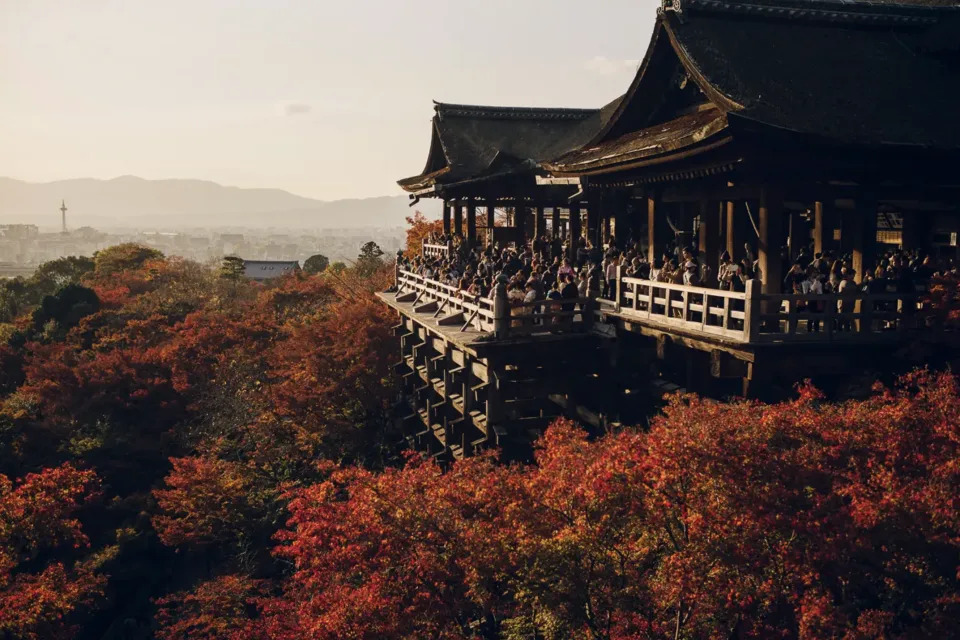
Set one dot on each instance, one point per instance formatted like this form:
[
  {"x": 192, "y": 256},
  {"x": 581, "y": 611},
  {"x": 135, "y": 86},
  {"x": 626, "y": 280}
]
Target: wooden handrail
[
  {"x": 482, "y": 313},
  {"x": 753, "y": 317},
  {"x": 477, "y": 310},
  {"x": 435, "y": 250}
]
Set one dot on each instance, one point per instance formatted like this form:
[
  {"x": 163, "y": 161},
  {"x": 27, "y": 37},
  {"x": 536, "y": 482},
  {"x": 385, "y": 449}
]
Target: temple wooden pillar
[
  {"x": 539, "y": 223},
  {"x": 731, "y": 240},
  {"x": 458, "y": 218},
  {"x": 710, "y": 238},
  {"x": 819, "y": 228},
  {"x": 651, "y": 230},
  {"x": 593, "y": 219},
  {"x": 770, "y": 240},
  {"x": 576, "y": 231},
  {"x": 491, "y": 220},
  {"x": 446, "y": 217},
  {"x": 471, "y": 223},
  {"x": 606, "y": 228},
  {"x": 864, "y": 240},
  {"x": 520, "y": 218},
  {"x": 555, "y": 221},
  {"x": 659, "y": 233}
]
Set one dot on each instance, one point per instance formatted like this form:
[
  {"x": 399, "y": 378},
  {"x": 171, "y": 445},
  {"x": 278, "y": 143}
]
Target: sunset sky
[{"x": 324, "y": 99}]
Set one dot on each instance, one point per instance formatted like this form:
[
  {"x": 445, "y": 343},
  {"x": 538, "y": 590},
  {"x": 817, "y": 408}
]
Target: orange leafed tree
[
  {"x": 419, "y": 227},
  {"x": 798, "y": 520},
  {"x": 42, "y": 580}
]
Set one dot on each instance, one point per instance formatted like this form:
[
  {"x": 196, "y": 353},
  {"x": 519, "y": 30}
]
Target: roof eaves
[{"x": 445, "y": 110}]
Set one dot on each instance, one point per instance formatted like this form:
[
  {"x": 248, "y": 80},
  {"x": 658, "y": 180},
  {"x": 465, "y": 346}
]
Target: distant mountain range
[{"x": 131, "y": 202}]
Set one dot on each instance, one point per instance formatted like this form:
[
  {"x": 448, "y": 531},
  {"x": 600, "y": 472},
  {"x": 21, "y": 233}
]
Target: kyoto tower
[{"x": 63, "y": 216}]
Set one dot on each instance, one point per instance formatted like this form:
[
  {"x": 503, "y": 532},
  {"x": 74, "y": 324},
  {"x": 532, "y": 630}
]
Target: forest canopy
[{"x": 187, "y": 454}]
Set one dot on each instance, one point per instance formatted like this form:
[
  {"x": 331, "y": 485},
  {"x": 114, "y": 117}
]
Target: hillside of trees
[{"x": 188, "y": 455}]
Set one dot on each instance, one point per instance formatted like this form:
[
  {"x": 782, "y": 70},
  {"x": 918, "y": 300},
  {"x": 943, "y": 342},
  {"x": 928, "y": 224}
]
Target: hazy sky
[{"x": 325, "y": 99}]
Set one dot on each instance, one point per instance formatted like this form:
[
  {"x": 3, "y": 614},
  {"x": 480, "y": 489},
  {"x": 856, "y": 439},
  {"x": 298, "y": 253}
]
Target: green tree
[
  {"x": 316, "y": 264},
  {"x": 338, "y": 267},
  {"x": 231, "y": 268},
  {"x": 370, "y": 259},
  {"x": 123, "y": 257},
  {"x": 57, "y": 273},
  {"x": 66, "y": 307}
]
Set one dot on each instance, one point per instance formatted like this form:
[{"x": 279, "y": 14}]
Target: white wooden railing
[
  {"x": 496, "y": 315},
  {"x": 435, "y": 250},
  {"x": 707, "y": 311},
  {"x": 749, "y": 317},
  {"x": 477, "y": 311},
  {"x": 754, "y": 317}
]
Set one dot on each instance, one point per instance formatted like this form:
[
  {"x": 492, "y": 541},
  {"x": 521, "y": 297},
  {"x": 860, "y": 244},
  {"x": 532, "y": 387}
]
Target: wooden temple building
[{"x": 759, "y": 126}]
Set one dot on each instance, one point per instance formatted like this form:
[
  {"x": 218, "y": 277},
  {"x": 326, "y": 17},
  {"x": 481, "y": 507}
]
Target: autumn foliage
[
  {"x": 186, "y": 454},
  {"x": 418, "y": 229},
  {"x": 804, "y": 519},
  {"x": 44, "y": 576}
]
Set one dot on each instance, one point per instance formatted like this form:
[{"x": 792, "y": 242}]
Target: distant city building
[
  {"x": 19, "y": 231},
  {"x": 263, "y": 270}
]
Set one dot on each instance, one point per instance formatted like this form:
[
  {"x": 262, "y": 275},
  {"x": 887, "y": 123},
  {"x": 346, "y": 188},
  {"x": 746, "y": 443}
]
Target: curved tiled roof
[
  {"x": 847, "y": 82},
  {"x": 854, "y": 74},
  {"x": 477, "y": 142}
]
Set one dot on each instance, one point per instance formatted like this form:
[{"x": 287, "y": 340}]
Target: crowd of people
[{"x": 552, "y": 269}]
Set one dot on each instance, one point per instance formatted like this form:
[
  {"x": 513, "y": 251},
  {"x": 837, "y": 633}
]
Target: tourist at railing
[
  {"x": 612, "y": 262},
  {"x": 729, "y": 274},
  {"x": 593, "y": 271}
]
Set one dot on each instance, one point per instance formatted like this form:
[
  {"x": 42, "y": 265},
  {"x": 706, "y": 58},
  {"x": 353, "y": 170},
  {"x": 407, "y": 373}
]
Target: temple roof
[
  {"x": 268, "y": 269},
  {"x": 474, "y": 143},
  {"x": 853, "y": 74}
]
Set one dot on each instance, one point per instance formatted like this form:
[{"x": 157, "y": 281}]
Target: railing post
[
  {"x": 588, "y": 312},
  {"x": 619, "y": 288},
  {"x": 866, "y": 314},
  {"x": 501, "y": 311},
  {"x": 396, "y": 274},
  {"x": 751, "y": 311}
]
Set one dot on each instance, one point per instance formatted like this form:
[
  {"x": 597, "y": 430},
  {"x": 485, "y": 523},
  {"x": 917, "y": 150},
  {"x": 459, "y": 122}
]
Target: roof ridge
[
  {"x": 444, "y": 109},
  {"x": 869, "y": 12}
]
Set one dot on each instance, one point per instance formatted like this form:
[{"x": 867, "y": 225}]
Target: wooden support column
[
  {"x": 606, "y": 227},
  {"x": 555, "y": 221},
  {"x": 820, "y": 232},
  {"x": 710, "y": 238},
  {"x": 471, "y": 223},
  {"x": 652, "y": 230},
  {"x": 491, "y": 220},
  {"x": 520, "y": 218},
  {"x": 731, "y": 240},
  {"x": 864, "y": 227},
  {"x": 458, "y": 218},
  {"x": 576, "y": 232},
  {"x": 539, "y": 223},
  {"x": 446, "y": 217},
  {"x": 659, "y": 234},
  {"x": 916, "y": 230},
  {"x": 771, "y": 239},
  {"x": 593, "y": 219}
]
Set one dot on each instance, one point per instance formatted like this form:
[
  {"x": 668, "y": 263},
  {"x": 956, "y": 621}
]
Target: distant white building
[{"x": 263, "y": 270}]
